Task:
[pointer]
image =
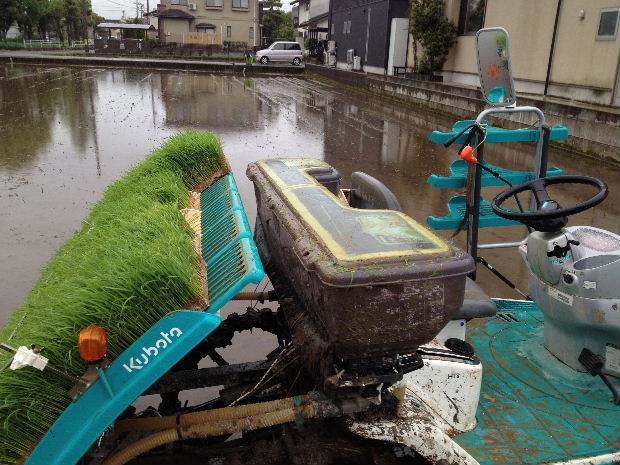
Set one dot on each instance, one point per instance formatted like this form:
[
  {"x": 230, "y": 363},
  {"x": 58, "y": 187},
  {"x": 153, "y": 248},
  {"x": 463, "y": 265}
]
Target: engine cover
[
  {"x": 374, "y": 282},
  {"x": 578, "y": 292}
]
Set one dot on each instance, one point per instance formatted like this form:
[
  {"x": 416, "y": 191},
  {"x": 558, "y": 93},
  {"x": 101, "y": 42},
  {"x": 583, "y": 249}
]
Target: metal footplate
[{"x": 232, "y": 262}]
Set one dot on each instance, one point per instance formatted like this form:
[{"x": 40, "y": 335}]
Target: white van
[{"x": 289, "y": 52}]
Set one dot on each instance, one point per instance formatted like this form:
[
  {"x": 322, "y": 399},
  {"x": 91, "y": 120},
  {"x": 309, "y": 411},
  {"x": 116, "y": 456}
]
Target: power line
[{"x": 113, "y": 2}]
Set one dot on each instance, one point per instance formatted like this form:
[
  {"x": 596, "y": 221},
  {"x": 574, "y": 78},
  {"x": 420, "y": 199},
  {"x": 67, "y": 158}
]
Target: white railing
[{"x": 42, "y": 44}]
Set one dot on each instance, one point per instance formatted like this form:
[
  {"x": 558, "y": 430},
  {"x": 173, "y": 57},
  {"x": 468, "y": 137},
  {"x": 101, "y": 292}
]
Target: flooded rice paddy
[{"x": 67, "y": 133}]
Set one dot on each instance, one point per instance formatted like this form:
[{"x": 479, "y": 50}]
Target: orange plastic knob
[
  {"x": 93, "y": 343},
  {"x": 467, "y": 154}
]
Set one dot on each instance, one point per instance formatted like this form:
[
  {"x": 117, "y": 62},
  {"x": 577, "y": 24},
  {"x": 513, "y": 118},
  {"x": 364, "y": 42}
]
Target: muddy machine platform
[
  {"x": 387, "y": 350},
  {"x": 533, "y": 408},
  {"x": 550, "y": 366}
]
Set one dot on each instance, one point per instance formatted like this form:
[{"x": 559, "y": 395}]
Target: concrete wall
[
  {"x": 239, "y": 20},
  {"x": 594, "y": 132},
  {"x": 583, "y": 67}
]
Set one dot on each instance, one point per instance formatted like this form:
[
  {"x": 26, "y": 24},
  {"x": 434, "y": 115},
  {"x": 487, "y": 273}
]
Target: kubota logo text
[{"x": 138, "y": 362}]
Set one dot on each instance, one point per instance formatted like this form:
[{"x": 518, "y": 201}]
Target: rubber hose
[
  {"x": 188, "y": 419},
  {"x": 218, "y": 428}
]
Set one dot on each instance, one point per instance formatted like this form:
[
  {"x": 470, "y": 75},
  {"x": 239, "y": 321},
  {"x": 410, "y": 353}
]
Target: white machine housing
[{"x": 579, "y": 293}]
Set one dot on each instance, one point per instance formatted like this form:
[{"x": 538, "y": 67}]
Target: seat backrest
[{"x": 371, "y": 194}]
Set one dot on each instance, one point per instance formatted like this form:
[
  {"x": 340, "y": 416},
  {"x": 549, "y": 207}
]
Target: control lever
[
  {"x": 560, "y": 252},
  {"x": 467, "y": 154},
  {"x": 594, "y": 364}
]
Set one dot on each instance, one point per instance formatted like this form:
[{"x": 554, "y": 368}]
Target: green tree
[
  {"x": 133, "y": 34},
  {"x": 31, "y": 14},
  {"x": 56, "y": 15},
  {"x": 285, "y": 28},
  {"x": 431, "y": 29},
  {"x": 73, "y": 19},
  {"x": 278, "y": 24},
  {"x": 270, "y": 4},
  {"x": 9, "y": 13}
]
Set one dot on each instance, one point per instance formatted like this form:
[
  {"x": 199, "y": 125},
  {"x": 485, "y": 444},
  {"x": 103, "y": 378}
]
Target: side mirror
[{"x": 494, "y": 68}]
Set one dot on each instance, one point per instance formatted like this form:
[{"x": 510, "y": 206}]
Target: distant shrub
[
  {"x": 233, "y": 46},
  {"x": 11, "y": 44}
]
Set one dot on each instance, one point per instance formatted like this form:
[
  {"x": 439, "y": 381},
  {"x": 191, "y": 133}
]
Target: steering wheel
[{"x": 549, "y": 216}]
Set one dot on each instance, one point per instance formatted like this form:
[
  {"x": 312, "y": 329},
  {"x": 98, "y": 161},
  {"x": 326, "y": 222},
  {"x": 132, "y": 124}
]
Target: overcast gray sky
[{"x": 113, "y": 9}]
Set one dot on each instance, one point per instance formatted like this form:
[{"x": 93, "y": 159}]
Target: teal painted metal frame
[
  {"x": 498, "y": 135},
  {"x": 456, "y": 208},
  {"x": 83, "y": 422},
  {"x": 458, "y": 176},
  {"x": 145, "y": 361},
  {"x": 458, "y": 172}
]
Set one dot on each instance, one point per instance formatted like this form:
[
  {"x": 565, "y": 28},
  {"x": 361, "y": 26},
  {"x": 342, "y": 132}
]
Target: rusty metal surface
[{"x": 534, "y": 409}]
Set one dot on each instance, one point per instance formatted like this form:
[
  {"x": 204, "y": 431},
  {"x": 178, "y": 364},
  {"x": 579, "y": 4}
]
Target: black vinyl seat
[
  {"x": 476, "y": 303},
  {"x": 371, "y": 194}
]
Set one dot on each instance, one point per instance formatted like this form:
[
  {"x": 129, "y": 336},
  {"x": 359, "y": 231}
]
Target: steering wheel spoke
[{"x": 546, "y": 217}]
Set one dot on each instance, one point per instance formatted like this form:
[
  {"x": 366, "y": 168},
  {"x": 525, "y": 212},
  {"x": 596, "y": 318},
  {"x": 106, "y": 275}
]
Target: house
[
  {"x": 300, "y": 15},
  {"x": 561, "y": 48},
  {"x": 151, "y": 19},
  {"x": 313, "y": 18},
  {"x": 208, "y": 22},
  {"x": 375, "y": 30}
]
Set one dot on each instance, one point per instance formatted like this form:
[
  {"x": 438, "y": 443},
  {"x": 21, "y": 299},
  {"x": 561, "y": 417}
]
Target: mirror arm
[{"x": 489, "y": 111}]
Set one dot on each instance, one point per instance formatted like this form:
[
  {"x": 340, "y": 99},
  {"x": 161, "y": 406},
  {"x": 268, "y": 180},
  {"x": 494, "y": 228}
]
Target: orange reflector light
[
  {"x": 467, "y": 154},
  {"x": 93, "y": 343}
]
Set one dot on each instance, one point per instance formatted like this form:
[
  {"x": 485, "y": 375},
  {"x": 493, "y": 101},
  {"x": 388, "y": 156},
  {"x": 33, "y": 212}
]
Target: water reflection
[
  {"x": 67, "y": 133},
  {"x": 210, "y": 102}
]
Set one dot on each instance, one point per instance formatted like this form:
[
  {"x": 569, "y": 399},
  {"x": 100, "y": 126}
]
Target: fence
[
  {"x": 121, "y": 46},
  {"x": 202, "y": 38},
  {"x": 43, "y": 44}
]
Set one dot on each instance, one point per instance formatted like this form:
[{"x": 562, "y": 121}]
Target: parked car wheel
[
  {"x": 264, "y": 60},
  {"x": 297, "y": 61}
]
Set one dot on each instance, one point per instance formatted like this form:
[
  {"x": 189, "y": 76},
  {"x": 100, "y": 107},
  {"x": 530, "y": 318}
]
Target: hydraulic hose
[
  {"x": 220, "y": 414},
  {"x": 313, "y": 409}
]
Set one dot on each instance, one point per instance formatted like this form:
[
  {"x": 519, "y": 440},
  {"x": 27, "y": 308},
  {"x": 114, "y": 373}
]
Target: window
[
  {"x": 608, "y": 24},
  {"x": 240, "y": 4},
  {"x": 278, "y": 46},
  {"x": 346, "y": 28},
  {"x": 471, "y": 16},
  {"x": 215, "y": 3},
  {"x": 228, "y": 32},
  {"x": 292, "y": 46},
  {"x": 251, "y": 36},
  {"x": 178, "y": 2}
]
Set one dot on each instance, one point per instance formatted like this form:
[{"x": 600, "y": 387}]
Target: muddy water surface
[{"x": 67, "y": 133}]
